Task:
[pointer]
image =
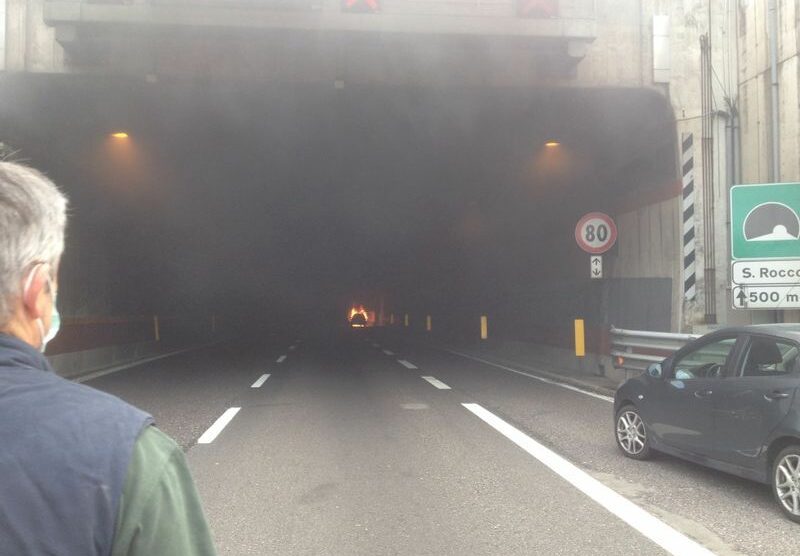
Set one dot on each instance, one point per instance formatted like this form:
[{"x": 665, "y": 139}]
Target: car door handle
[
  {"x": 703, "y": 393},
  {"x": 776, "y": 395}
]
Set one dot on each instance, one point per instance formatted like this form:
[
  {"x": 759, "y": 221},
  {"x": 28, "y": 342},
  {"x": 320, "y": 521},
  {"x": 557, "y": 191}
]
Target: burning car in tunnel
[
  {"x": 358, "y": 321},
  {"x": 359, "y": 317}
]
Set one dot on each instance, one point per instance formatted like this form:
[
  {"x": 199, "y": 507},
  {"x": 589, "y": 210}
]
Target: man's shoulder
[
  {"x": 155, "y": 443},
  {"x": 159, "y": 484},
  {"x": 91, "y": 404},
  {"x": 91, "y": 400},
  {"x": 153, "y": 453},
  {"x": 76, "y": 401}
]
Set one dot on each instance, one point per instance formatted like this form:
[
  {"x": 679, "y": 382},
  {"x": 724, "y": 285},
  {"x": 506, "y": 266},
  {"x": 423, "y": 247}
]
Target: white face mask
[
  {"x": 55, "y": 317},
  {"x": 55, "y": 320}
]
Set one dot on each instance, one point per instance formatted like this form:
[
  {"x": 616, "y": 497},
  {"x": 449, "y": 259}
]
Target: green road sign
[{"x": 765, "y": 221}]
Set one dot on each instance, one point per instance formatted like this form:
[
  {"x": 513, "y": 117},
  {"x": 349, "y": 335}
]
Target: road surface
[{"x": 371, "y": 444}]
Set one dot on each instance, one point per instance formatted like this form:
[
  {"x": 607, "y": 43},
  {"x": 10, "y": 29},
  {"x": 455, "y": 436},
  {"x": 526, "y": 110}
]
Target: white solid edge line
[
  {"x": 260, "y": 382},
  {"x": 406, "y": 364},
  {"x": 387, "y": 352},
  {"x": 214, "y": 430},
  {"x": 648, "y": 525},
  {"x": 281, "y": 359},
  {"x": 539, "y": 378},
  {"x": 437, "y": 383}
]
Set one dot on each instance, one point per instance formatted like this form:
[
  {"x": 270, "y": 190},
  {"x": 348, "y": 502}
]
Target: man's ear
[{"x": 35, "y": 292}]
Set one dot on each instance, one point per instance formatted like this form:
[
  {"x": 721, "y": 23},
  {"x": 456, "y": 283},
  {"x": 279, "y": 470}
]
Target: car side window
[
  {"x": 707, "y": 361},
  {"x": 766, "y": 357}
]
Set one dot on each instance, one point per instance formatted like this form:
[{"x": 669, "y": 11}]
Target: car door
[
  {"x": 682, "y": 405},
  {"x": 753, "y": 402}
]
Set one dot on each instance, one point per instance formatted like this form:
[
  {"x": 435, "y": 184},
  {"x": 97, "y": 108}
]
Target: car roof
[{"x": 784, "y": 330}]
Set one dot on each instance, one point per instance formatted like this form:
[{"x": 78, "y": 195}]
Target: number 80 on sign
[{"x": 596, "y": 233}]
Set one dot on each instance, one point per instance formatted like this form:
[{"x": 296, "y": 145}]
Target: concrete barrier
[
  {"x": 89, "y": 344},
  {"x": 71, "y": 365}
]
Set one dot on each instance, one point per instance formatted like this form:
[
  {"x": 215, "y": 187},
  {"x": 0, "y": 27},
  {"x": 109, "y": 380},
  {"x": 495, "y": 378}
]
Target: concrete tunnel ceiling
[{"x": 299, "y": 195}]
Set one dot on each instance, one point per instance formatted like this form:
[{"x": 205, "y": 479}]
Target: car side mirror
[{"x": 654, "y": 370}]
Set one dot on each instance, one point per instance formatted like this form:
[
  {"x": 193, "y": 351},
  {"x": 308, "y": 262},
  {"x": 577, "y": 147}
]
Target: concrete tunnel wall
[{"x": 99, "y": 327}]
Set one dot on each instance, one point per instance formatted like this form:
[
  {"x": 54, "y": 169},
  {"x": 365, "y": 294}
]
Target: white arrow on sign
[
  {"x": 766, "y": 297},
  {"x": 596, "y": 267}
]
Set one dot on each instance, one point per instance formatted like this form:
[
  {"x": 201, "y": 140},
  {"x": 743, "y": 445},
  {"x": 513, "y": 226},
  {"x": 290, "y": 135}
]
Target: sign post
[{"x": 765, "y": 246}]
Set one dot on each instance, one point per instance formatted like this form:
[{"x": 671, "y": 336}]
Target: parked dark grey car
[{"x": 728, "y": 400}]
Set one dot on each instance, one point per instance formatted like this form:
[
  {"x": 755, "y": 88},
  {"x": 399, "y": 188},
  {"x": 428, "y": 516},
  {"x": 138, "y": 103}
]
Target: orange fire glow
[{"x": 359, "y": 310}]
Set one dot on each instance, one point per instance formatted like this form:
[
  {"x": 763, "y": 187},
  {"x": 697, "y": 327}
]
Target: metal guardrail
[{"x": 634, "y": 350}]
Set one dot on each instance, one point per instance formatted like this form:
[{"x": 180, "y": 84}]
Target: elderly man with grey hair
[{"x": 81, "y": 472}]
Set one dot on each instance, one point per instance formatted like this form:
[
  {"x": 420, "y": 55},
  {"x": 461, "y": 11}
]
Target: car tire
[
  {"x": 786, "y": 481},
  {"x": 631, "y": 433}
]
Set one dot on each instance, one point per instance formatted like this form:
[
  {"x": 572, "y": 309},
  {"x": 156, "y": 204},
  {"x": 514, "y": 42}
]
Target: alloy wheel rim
[
  {"x": 787, "y": 483},
  {"x": 631, "y": 433}
]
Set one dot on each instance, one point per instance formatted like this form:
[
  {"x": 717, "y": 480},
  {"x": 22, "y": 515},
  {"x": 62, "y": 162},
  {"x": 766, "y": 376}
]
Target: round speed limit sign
[{"x": 596, "y": 233}]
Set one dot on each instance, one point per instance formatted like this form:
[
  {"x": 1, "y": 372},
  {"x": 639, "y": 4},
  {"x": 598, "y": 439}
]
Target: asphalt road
[{"x": 346, "y": 449}]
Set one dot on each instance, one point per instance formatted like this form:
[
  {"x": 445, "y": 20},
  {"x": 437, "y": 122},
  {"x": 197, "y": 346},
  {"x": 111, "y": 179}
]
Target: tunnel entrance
[{"x": 287, "y": 202}]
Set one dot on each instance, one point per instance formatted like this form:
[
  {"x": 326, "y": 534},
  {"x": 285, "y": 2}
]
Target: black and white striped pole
[{"x": 687, "y": 166}]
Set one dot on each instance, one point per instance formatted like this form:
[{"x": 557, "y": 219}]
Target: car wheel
[
  {"x": 786, "y": 482},
  {"x": 631, "y": 433}
]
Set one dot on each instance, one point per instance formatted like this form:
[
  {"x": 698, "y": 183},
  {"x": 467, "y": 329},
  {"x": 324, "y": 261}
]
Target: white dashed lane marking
[
  {"x": 406, "y": 364},
  {"x": 260, "y": 382},
  {"x": 281, "y": 359},
  {"x": 437, "y": 383},
  {"x": 214, "y": 430}
]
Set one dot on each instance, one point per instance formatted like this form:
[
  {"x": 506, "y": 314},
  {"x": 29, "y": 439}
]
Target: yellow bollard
[
  {"x": 484, "y": 327},
  {"x": 580, "y": 338},
  {"x": 406, "y": 319},
  {"x": 428, "y": 323},
  {"x": 156, "y": 329}
]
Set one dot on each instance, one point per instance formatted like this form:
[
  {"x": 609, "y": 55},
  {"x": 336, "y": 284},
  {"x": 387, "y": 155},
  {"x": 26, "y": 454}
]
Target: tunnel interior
[{"x": 284, "y": 205}]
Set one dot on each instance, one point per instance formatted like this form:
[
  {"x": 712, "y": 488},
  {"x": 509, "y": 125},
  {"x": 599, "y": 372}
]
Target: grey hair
[{"x": 33, "y": 219}]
